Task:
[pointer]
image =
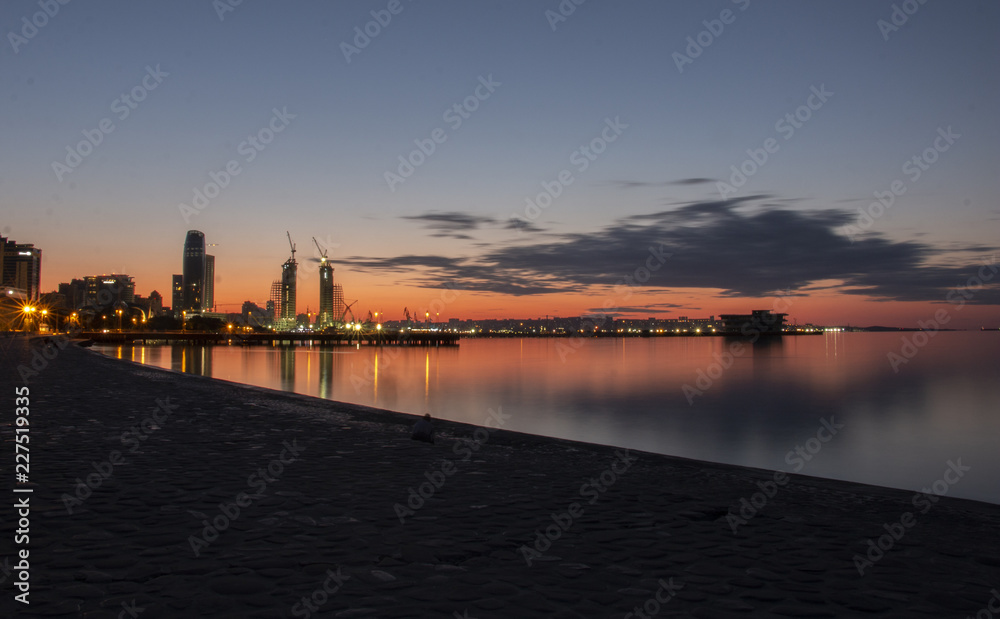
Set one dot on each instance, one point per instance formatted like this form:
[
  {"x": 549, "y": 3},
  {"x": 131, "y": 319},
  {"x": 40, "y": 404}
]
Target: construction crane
[
  {"x": 322, "y": 252},
  {"x": 291, "y": 244}
]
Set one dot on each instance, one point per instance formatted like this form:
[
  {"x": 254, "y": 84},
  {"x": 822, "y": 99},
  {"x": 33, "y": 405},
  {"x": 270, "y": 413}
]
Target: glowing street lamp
[{"x": 28, "y": 311}]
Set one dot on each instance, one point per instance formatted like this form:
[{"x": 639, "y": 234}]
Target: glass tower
[{"x": 194, "y": 271}]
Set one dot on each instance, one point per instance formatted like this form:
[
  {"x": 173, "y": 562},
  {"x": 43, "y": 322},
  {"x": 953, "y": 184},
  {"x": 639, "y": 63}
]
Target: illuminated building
[
  {"x": 21, "y": 267},
  {"x": 287, "y": 306},
  {"x": 177, "y": 296},
  {"x": 194, "y": 267}
]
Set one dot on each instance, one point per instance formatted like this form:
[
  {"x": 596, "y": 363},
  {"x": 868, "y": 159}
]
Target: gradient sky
[{"x": 787, "y": 228}]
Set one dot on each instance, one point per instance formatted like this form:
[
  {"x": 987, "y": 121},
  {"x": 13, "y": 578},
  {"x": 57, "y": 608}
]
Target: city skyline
[{"x": 720, "y": 156}]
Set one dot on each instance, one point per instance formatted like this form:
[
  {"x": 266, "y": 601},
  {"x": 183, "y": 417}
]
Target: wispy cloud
[
  {"x": 628, "y": 184},
  {"x": 451, "y": 223}
]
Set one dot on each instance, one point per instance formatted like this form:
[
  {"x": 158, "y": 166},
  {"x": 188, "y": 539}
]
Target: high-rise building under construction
[
  {"x": 325, "y": 317},
  {"x": 288, "y": 273}
]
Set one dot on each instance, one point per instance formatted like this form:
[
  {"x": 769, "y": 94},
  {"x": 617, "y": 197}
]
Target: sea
[{"x": 896, "y": 409}]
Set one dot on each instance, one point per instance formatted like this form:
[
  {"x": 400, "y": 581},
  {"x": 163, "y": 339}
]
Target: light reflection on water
[{"x": 757, "y": 402}]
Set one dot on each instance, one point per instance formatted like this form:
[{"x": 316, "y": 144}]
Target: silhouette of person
[{"x": 423, "y": 430}]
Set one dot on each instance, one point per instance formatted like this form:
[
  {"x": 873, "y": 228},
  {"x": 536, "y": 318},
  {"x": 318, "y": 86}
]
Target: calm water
[{"x": 899, "y": 428}]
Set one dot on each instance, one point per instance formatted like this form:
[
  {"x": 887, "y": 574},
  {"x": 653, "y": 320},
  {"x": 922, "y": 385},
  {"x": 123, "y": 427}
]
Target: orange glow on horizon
[{"x": 248, "y": 278}]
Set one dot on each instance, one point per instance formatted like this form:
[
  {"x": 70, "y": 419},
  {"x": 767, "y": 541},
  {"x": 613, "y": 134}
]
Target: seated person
[{"x": 423, "y": 430}]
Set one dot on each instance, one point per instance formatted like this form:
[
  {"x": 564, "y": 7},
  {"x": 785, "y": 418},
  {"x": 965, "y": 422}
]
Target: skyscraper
[
  {"x": 325, "y": 317},
  {"x": 21, "y": 267},
  {"x": 194, "y": 272},
  {"x": 209, "y": 283},
  {"x": 288, "y": 273},
  {"x": 177, "y": 296}
]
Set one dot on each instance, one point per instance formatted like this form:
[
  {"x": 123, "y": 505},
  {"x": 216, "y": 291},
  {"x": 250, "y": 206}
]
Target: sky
[{"x": 833, "y": 160}]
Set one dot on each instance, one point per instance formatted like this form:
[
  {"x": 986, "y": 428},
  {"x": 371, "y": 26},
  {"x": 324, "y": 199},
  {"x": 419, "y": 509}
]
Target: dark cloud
[
  {"x": 522, "y": 225},
  {"x": 720, "y": 245},
  {"x": 451, "y": 224},
  {"x": 624, "y": 184}
]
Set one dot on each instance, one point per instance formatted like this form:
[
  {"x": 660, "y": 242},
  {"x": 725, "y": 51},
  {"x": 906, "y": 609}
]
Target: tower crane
[{"x": 322, "y": 252}]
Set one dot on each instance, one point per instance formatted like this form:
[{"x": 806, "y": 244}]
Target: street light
[{"x": 28, "y": 310}]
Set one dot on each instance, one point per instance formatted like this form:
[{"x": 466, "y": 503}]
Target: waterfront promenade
[{"x": 185, "y": 496}]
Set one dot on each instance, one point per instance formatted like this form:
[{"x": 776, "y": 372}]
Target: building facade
[
  {"x": 194, "y": 268},
  {"x": 177, "y": 295},
  {"x": 289, "y": 271},
  {"x": 758, "y": 322},
  {"x": 325, "y": 316},
  {"x": 20, "y": 269},
  {"x": 209, "y": 283}
]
